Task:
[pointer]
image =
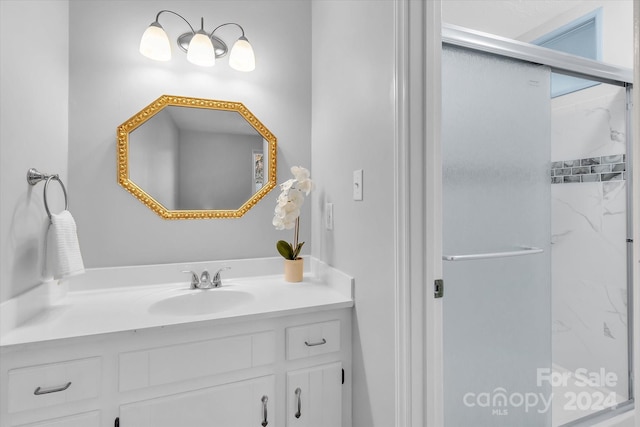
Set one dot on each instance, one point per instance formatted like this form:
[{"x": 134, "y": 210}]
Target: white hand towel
[{"x": 67, "y": 259}]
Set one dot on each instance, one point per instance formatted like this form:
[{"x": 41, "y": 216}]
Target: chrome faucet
[{"x": 205, "y": 281}]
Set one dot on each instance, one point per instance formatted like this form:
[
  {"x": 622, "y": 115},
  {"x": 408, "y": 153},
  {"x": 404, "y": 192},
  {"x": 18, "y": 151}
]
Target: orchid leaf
[
  {"x": 297, "y": 250},
  {"x": 285, "y": 249}
]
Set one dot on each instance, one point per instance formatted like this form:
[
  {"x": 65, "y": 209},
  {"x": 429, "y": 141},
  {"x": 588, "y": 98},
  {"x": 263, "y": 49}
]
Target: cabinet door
[
  {"x": 242, "y": 404},
  {"x": 314, "y": 396}
]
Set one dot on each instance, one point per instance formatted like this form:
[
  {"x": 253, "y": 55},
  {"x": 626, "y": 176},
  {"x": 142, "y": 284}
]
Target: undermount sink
[{"x": 199, "y": 302}]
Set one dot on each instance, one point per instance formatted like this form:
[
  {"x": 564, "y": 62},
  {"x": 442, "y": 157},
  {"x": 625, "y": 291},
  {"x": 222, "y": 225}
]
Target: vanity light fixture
[{"x": 202, "y": 48}]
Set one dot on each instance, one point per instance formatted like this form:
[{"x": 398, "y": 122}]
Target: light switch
[{"x": 357, "y": 184}]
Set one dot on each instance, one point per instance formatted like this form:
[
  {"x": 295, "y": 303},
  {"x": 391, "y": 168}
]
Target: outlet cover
[{"x": 357, "y": 184}]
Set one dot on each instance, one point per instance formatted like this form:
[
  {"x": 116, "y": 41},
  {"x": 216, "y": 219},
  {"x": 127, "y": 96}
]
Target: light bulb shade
[
  {"x": 155, "y": 43},
  {"x": 241, "y": 57},
  {"x": 200, "y": 51}
]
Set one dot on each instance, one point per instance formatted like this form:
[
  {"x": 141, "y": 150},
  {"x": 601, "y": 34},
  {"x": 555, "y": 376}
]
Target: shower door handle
[{"x": 491, "y": 255}]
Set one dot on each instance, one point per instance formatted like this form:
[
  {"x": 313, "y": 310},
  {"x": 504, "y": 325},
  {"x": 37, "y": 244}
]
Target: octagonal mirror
[{"x": 190, "y": 158}]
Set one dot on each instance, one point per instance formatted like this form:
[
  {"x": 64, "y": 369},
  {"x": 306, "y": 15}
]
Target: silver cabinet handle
[
  {"x": 38, "y": 391},
  {"x": 313, "y": 344},
  {"x": 489, "y": 255},
  {"x": 264, "y": 400},
  {"x": 298, "y": 393}
]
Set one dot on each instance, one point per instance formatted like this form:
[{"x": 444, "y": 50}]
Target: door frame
[{"x": 418, "y": 218}]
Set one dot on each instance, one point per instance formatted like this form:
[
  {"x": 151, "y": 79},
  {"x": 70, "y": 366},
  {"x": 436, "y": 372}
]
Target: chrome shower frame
[{"x": 575, "y": 66}]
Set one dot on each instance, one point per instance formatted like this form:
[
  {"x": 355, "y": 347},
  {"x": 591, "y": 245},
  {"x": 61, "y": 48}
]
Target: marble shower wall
[{"x": 588, "y": 226}]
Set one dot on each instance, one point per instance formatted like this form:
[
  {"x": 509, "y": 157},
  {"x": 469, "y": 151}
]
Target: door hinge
[
  {"x": 343, "y": 376},
  {"x": 438, "y": 288}
]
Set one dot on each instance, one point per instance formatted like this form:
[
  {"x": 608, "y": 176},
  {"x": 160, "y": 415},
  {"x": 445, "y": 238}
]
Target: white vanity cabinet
[{"x": 237, "y": 372}]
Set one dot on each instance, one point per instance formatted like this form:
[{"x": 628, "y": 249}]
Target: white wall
[
  {"x": 353, "y": 128},
  {"x": 33, "y": 132},
  {"x": 110, "y": 81}
]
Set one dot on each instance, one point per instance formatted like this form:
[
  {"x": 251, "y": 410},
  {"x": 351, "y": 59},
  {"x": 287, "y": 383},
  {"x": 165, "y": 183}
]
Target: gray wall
[
  {"x": 33, "y": 132},
  {"x": 210, "y": 179},
  {"x": 353, "y": 128},
  {"x": 110, "y": 81}
]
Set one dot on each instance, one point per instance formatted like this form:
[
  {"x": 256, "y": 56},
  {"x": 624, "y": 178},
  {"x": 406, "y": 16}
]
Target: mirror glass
[{"x": 196, "y": 158}]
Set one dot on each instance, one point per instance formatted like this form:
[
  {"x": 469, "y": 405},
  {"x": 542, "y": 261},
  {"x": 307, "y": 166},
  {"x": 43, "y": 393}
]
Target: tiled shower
[
  {"x": 589, "y": 239},
  {"x": 590, "y": 169}
]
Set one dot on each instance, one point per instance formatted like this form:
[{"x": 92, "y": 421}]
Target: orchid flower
[{"x": 287, "y": 212}]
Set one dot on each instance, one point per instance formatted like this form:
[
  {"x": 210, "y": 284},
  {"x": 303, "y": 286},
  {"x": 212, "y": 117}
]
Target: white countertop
[{"x": 111, "y": 309}]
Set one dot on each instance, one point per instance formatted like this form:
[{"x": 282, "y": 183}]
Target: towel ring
[{"x": 34, "y": 176}]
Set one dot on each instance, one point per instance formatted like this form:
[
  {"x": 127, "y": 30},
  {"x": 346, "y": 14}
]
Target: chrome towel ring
[{"x": 34, "y": 176}]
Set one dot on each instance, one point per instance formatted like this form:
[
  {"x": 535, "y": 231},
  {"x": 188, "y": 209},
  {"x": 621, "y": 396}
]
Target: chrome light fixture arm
[
  {"x": 227, "y": 23},
  {"x": 175, "y": 13}
]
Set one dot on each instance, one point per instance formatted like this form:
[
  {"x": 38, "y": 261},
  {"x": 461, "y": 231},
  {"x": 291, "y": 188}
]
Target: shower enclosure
[{"x": 535, "y": 246}]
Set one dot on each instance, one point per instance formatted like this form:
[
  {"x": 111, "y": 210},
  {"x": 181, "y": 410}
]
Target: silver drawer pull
[
  {"x": 298, "y": 393},
  {"x": 38, "y": 391},
  {"x": 313, "y": 344},
  {"x": 264, "y": 401}
]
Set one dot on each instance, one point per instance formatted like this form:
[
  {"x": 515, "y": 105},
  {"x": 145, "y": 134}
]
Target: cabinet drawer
[
  {"x": 182, "y": 362},
  {"x": 90, "y": 419},
  {"x": 313, "y": 339},
  {"x": 53, "y": 384}
]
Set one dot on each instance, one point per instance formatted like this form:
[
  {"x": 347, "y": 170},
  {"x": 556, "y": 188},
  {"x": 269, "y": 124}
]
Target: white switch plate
[
  {"x": 357, "y": 184},
  {"x": 328, "y": 216}
]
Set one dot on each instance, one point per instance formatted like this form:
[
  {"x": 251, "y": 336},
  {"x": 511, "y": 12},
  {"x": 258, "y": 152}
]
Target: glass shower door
[{"x": 496, "y": 240}]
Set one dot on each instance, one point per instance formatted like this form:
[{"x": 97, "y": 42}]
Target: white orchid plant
[{"x": 287, "y": 212}]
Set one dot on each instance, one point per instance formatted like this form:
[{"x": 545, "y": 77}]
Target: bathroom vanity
[{"x": 273, "y": 354}]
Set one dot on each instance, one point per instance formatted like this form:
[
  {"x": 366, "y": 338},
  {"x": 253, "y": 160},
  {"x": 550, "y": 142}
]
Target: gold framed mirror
[{"x": 194, "y": 158}]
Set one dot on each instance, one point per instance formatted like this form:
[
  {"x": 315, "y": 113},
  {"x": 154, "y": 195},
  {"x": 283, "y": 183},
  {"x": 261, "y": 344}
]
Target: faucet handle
[
  {"x": 195, "y": 280},
  {"x": 205, "y": 277},
  {"x": 217, "y": 281}
]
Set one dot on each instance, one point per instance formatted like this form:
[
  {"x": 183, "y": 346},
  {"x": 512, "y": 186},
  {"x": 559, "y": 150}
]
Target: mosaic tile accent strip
[{"x": 592, "y": 169}]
